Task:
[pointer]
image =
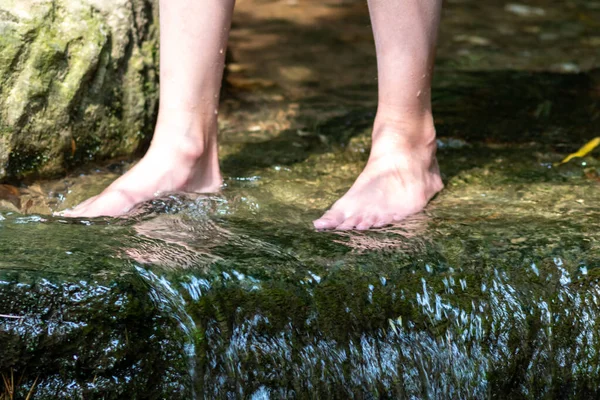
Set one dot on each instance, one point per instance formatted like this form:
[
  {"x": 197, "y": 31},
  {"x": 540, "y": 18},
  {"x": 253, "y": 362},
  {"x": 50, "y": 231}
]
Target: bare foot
[
  {"x": 181, "y": 158},
  {"x": 400, "y": 178}
]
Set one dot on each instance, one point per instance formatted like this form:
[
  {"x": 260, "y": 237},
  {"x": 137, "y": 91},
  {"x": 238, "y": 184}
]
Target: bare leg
[
  {"x": 183, "y": 153},
  {"x": 402, "y": 174}
]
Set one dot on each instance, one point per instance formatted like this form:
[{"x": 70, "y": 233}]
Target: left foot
[
  {"x": 400, "y": 178},
  {"x": 181, "y": 158}
]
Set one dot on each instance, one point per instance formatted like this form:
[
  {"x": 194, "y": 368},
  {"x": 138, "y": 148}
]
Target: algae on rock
[{"x": 78, "y": 81}]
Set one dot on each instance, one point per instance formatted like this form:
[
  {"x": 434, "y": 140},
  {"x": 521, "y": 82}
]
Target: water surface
[{"x": 492, "y": 292}]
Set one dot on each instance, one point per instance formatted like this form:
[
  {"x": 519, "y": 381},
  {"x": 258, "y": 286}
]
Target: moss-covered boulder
[
  {"x": 78, "y": 81},
  {"x": 195, "y": 300}
]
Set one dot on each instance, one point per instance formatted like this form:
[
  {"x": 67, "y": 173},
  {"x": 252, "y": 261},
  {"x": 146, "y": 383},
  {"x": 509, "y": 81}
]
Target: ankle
[
  {"x": 184, "y": 148},
  {"x": 404, "y": 130},
  {"x": 187, "y": 135}
]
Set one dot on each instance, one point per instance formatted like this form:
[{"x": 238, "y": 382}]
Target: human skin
[{"x": 401, "y": 175}]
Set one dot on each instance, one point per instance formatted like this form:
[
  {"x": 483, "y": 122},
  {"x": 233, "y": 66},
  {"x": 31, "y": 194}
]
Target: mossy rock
[{"x": 78, "y": 82}]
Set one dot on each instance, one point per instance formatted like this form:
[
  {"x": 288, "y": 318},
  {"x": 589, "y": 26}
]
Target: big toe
[
  {"x": 79, "y": 207},
  {"x": 108, "y": 204},
  {"x": 331, "y": 219}
]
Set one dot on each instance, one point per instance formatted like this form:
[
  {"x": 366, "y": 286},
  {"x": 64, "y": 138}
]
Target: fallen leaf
[
  {"x": 9, "y": 190},
  {"x": 10, "y": 196},
  {"x": 582, "y": 152},
  {"x": 593, "y": 175}
]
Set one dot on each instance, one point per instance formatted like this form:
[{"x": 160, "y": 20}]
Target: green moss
[
  {"x": 71, "y": 78},
  {"x": 23, "y": 162}
]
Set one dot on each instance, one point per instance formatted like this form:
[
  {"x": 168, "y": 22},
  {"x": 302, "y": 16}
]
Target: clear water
[{"x": 491, "y": 293}]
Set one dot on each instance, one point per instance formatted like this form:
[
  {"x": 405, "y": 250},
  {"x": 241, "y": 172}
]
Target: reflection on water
[{"x": 389, "y": 238}]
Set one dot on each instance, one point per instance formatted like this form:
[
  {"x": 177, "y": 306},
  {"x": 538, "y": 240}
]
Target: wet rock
[
  {"x": 89, "y": 338},
  {"x": 78, "y": 82},
  {"x": 492, "y": 294},
  {"x": 198, "y": 301}
]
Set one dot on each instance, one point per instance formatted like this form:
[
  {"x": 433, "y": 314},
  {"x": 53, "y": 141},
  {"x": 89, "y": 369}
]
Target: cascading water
[{"x": 168, "y": 301}]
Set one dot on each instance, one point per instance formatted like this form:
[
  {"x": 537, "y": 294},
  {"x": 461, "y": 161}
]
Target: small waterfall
[{"x": 169, "y": 300}]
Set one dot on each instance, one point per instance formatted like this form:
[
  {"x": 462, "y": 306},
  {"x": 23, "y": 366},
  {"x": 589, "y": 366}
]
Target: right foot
[{"x": 179, "y": 159}]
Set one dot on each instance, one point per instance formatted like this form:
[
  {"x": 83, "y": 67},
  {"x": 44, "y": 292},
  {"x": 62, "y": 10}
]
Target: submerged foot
[
  {"x": 176, "y": 161},
  {"x": 400, "y": 178}
]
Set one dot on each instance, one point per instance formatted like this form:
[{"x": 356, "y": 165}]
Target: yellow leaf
[{"x": 582, "y": 152}]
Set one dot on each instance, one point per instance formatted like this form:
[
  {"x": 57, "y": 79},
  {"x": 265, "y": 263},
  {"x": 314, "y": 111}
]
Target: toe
[
  {"x": 366, "y": 223},
  {"x": 399, "y": 217},
  {"x": 350, "y": 223},
  {"x": 75, "y": 211},
  {"x": 382, "y": 221},
  {"x": 108, "y": 204},
  {"x": 111, "y": 204},
  {"x": 329, "y": 220},
  {"x": 79, "y": 211}
]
